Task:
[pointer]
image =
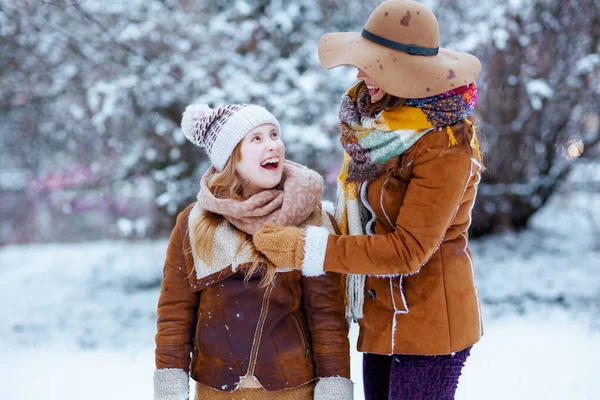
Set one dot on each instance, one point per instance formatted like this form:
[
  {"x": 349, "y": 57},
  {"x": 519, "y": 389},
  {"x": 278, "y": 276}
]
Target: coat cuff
[
  {"x": 334, "y": 388},
  {"x": 315, "y": 245},
  {"x": 171, "y": 384}
]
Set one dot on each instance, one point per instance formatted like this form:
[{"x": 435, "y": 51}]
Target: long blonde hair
[{"x": 227, "y": 184}]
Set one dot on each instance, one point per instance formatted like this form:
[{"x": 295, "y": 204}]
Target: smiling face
[
  {"x": 374, "y": 91},
  {"x": 261, "y": 166}
]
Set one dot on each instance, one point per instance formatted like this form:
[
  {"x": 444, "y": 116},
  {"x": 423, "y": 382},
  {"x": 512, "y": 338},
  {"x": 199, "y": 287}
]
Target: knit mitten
[
  {"x": 334, "y": 388},
  {"x": 282, "y": 245},
  {"x": 171, "y": 384}
]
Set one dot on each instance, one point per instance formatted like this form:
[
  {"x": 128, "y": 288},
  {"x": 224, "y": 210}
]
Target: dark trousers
[{"x": 408, "y": 377}]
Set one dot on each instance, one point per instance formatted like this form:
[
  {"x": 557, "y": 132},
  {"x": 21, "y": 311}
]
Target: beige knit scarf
[{"x": 301, "y": 193}]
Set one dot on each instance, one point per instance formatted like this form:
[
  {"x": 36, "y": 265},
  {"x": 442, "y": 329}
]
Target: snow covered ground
[{"x": 77, "y": 320}]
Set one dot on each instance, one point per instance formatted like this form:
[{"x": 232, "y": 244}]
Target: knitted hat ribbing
[{"x": 219, "y": 130}]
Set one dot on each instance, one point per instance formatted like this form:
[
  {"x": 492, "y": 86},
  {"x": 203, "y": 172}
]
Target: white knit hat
[{"x": 219, "y": 130}]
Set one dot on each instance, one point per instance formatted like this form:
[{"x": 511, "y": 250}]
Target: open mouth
[
  {"x": 372, "y": 89},
  {"x": 270, "y": 163}
]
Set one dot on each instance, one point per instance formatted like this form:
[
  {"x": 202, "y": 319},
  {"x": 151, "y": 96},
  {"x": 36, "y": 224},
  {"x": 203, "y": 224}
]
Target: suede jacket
[
  {"x": 220, "y": 330},
  {"x": 419, "y": 295}
]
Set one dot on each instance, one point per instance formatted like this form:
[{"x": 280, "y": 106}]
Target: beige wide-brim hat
[{"x": 399, "y": 49}]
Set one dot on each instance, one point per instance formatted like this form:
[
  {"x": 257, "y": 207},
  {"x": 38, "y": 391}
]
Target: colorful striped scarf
[{"x": 370, "y": 141}]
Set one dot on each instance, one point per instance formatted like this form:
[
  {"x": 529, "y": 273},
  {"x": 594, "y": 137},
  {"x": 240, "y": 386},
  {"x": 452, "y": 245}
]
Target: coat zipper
[
  {"x": 304, "y": 344},
  {"x": 259, "y": 328},
  {"x": 195, "y": 343}
]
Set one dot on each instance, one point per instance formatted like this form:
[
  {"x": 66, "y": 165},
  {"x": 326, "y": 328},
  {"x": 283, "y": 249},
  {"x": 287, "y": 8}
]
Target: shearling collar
[
  {"x": 225, "y": 261},
  {"x": 225, "y": 245}
]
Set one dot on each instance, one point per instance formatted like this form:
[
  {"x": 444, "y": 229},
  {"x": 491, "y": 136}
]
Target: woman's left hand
[{"x": 282, "y": 245}]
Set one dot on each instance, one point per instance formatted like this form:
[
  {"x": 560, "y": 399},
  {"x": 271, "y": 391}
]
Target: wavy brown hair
[{"x": 227, "y": 184}]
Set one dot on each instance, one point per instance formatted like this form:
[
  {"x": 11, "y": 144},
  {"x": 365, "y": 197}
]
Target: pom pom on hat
[
  {"x": 190, "y": 122},
  {"x": 219, "y": 130}
]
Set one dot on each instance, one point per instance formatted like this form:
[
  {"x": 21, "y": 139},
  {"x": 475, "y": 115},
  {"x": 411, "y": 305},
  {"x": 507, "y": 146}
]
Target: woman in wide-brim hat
[
  {"x": 399, "y": 49},
  {"x": 406, "y": 190}
]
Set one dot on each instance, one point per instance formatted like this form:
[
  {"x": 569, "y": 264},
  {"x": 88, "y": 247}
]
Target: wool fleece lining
[
  {"x": 315, "y": 245},
  {"x": 225, "y": 248}
]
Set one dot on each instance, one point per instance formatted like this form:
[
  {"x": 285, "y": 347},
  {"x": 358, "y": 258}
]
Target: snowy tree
[
  {"x": 104, "y": 83},
  {"x": 100, "y": 86},
  {"x": 539, "y": 102}
]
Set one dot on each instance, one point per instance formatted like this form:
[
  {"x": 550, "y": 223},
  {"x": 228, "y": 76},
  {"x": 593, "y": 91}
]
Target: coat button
[{"x": 372, "y": 293}]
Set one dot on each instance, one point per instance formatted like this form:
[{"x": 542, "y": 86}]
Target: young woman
[
  {"x": 254, "y": 330},
  {"x": 406, "y": 190}
]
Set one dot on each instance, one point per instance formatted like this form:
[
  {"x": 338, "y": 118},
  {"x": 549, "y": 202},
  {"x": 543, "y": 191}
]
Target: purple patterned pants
[{"x": 408, "y": 377}]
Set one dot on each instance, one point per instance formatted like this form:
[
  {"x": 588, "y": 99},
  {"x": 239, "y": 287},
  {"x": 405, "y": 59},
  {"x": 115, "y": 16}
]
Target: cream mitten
[
  {"x": 334, "y": 388},
  {"x": 171, "y": 384}
]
